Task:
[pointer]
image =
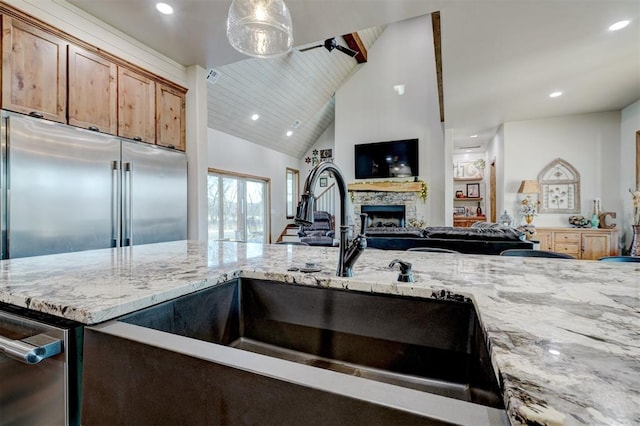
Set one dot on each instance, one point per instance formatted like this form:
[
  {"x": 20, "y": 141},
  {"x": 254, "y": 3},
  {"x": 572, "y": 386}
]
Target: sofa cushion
[
  {"x": 459, "y": 245},
  {"x": 394, "y": 232},
  {"x": 474, "y": 233}
]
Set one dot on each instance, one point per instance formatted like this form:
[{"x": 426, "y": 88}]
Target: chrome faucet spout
[{"x": 304, "y": 216}]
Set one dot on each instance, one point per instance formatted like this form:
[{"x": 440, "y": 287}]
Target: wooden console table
[{"x": 581, "y": 243}]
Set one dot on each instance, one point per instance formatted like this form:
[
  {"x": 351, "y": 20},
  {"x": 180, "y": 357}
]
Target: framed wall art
[
  {"x": 560, "y": 188},
  {"x": 326, "y": 155},
  {"x": 473, "y": 190}
]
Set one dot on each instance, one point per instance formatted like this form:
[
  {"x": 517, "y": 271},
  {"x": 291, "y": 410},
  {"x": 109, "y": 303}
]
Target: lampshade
[
  {"x": 529, "y": 187},
  {"x": 260, "y": 28}
]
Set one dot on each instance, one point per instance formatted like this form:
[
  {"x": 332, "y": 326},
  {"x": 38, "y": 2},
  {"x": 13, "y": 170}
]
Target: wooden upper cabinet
[
  {"x": 92, "y": 91},
  {"x": 34, "y": 71},
  {"x": 136, "y": 106},
  {"x": 170, "y": 117}
]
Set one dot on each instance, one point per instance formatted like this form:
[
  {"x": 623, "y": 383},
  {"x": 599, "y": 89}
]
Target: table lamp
[{"x": 529, "y": 187}]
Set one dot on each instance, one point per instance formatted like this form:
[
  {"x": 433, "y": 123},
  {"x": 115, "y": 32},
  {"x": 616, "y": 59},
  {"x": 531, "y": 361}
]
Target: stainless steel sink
[{"x": 365, "y": 350}]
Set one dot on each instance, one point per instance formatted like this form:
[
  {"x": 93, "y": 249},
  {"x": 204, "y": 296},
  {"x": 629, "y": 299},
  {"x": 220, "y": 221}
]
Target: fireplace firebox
[{"x": 384, "y": 216}]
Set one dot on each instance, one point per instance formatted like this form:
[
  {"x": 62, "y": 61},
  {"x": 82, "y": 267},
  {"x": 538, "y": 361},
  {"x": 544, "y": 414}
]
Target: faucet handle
[
  {"x": 406, "y": 275},
  {"x": 363, "y": 220}
]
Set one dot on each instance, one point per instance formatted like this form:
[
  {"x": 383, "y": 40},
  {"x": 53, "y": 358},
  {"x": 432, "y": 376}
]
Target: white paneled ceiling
[
  {"x": 500, "y": 60},
  {"x": 297, "y": 87}
]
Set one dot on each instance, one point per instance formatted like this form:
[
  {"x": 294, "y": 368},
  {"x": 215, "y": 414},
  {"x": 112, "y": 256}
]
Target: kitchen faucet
[{"x": 304, "y": 216}]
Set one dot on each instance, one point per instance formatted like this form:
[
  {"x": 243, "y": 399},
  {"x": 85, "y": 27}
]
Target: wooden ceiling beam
[
  {"x": 354, "y": 43},
  {"x": 437, "y": 47}
]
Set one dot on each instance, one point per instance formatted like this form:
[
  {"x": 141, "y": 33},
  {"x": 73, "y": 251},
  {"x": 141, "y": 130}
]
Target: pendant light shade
[{"x": 260, "y": 28}]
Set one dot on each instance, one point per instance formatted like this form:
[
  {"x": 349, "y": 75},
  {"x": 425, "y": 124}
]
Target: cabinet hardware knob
[
  {"x": 36, "y": 114},
  {"x": 137, "y": 138},
  {"x": 93, "y": 128}
]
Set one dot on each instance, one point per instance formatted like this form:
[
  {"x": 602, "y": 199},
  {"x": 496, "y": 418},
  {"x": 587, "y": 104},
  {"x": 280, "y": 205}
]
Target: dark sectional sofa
[{"x": 476, "y": 240}]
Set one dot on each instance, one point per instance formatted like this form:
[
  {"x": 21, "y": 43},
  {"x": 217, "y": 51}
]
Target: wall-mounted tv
[{"x": 387, "y": 159}]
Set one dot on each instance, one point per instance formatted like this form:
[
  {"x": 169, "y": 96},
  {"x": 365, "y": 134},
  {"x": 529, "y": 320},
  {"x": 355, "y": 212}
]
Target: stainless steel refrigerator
[{"x": 67, "y": 189}]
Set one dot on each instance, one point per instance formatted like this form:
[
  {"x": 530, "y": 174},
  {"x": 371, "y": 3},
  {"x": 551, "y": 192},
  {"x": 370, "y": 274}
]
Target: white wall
[
  {"x": 368, "y": 109},
  {"x": 629, "y": 125},
  {"x": 196, "y": 148},
  {"x": 229, "y": 153},
  {"x": 589, "y": 142}
]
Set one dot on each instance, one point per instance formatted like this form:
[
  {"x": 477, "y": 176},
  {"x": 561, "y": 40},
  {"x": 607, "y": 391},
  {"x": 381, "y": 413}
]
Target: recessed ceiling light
[
  {"x": 399, "y": 89},
  {"x": 555, "y": 94},
  {"x": 619, "y": 25},
  {"x": 254, "y": 117},
  {"x": 289, "y": 133},
  {"x": 468, "y": 150},
  {"x": 164, "y": 8},
  {"x": 473, "y": 136}
]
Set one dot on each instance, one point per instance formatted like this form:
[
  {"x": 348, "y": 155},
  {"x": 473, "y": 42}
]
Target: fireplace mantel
[{"x": 390, "y": 186}]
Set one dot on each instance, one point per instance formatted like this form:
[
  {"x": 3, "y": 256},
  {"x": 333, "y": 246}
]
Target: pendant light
[{"x": 260, "y": 28}]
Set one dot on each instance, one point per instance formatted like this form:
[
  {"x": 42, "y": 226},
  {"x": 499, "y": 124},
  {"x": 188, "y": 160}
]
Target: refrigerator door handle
[
  {"x": 128, "y": 208},
  {"x": 115, "y": 204}
]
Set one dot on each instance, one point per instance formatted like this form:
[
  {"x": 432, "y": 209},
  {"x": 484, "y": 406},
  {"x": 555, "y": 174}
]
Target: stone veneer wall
[{"x": 373, "y": 198}]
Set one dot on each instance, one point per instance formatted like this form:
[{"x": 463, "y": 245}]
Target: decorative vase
[
  {"x": 505, "y": 219},
  {"x": 595, "y": 221},
  {"x": 634, "y": 250}
]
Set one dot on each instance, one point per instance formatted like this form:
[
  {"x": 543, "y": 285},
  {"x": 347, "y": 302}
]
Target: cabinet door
[
  {"x": 460, "y": 222},
  {"x": 34, "y": 71},
  {"x": 595, "y": 246},
  {"x": 136, "y": 106},
  {"x": 170, "y": 117},
  {"x": 92, "y": 91},
  {"x": 545, "y": 238}
]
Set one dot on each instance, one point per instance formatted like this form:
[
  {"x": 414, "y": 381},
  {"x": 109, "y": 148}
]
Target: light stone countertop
[{"x": 564, "y": 335}]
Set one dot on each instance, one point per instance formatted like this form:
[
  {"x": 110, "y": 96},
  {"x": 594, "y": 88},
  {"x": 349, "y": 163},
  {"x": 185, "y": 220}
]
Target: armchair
[{"x": 321, "y": 232}]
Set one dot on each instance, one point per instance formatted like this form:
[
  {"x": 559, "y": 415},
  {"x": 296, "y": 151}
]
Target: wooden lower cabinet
[
  {"x": 467, "y": 221},
  {"x": 581, "y": 243}
]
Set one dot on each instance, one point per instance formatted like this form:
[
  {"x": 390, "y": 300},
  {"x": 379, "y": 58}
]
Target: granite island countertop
[{"x": 564, "y": 335}]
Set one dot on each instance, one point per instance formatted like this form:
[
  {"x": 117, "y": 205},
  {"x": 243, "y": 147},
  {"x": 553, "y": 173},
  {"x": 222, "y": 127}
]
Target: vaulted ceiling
[
  {"x": 500, "y": 60},
  {"x": 290, "y": 93}
]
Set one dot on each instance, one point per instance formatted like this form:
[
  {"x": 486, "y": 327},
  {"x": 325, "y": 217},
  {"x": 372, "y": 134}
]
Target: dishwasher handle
[{"x": 31, "y": 350}]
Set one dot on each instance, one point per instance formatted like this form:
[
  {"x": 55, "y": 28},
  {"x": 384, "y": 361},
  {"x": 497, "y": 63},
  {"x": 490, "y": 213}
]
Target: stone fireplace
[{"x": 406, "y": 200}]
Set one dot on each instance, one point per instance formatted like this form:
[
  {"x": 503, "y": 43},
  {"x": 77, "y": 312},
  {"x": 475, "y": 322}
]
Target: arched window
[{"x": 560, "y": 185}]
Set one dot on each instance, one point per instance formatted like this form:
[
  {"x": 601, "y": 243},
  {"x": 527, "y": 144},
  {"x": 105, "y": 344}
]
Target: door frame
[{"x": 267, "y": 182}]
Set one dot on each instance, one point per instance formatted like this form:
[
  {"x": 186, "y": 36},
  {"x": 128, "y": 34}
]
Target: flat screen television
[{"x": 387, "y": 159}]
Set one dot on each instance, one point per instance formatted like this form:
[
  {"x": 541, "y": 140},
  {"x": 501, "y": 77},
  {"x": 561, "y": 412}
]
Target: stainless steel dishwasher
[{"x": 39, "y": 368}]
